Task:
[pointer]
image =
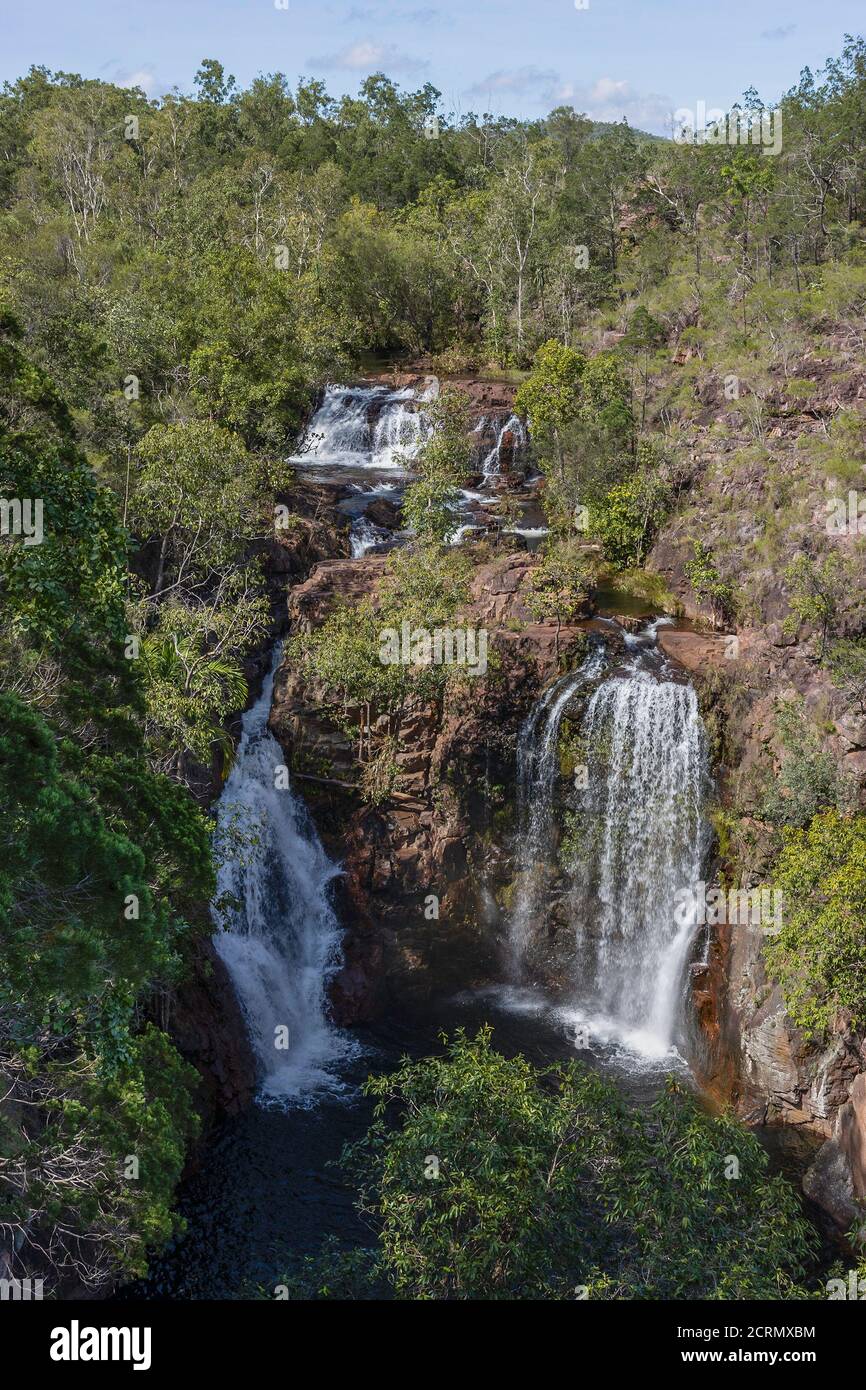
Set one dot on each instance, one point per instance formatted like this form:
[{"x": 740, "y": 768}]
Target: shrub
[
  {"x": 819, "y": 955},
  {"x": 706, "y": 581},
  {"x": 807, "y": 780},
  {"x": 487, "y": 1178}
]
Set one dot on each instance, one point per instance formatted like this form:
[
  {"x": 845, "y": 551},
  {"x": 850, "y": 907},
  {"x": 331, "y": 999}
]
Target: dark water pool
[{"x": 266, "y": 1192}]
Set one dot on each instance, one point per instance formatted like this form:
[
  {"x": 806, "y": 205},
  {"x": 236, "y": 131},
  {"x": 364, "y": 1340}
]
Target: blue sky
[{"x": 641, "y": 59}]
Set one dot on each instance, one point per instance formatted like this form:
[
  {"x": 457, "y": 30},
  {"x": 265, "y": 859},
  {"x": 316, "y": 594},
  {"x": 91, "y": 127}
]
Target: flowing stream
[{"x": 279, "y": 936}]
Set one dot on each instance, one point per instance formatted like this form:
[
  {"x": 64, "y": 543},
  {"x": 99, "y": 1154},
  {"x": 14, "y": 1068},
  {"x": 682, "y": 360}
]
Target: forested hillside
[{"x": 686, "y": 327}]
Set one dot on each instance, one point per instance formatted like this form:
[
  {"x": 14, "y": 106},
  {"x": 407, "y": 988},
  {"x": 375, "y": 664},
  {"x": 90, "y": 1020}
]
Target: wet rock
[
  {"x": 383, "y": 513},
  {"x": 829, "y": 1184},
  {"x": 208, "y": 1028}
]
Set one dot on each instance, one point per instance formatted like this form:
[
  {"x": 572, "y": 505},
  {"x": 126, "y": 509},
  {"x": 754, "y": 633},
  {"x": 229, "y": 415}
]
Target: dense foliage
[
  {"x": 819, "y": 954},
  {"x": 178, "y": 277},
  {"x": 485, "y": 1178},
  {"x": 106, "y": 867}
]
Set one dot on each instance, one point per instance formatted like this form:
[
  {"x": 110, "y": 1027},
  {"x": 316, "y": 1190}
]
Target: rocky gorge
[{"x": 429, "y": 874}]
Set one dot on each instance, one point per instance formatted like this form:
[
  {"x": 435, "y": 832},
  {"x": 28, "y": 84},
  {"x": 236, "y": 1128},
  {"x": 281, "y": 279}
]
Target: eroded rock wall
[
  {"x": 749, "y": 1050},
  {"x": 423, "y": 870}
]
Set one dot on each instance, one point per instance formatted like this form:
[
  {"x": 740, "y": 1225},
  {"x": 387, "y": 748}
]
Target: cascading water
[
  {"x": 642, "y": 840},
  {"x": 364, "y": 536},
  {"x": 379, "y": 431},
  {"x": 537, "y": 770},
  {"x": 647, "y": 781},
  {"x": 280, "y": 937},
  {"x": 366, "y": 427},
  {"x": 514, "y": 431}
]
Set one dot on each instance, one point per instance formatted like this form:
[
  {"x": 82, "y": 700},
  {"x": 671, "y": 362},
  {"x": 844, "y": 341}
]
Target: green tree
[
  {"x": 559, "y": 588},
  {"x": 846, "y": 662},
  {"x": 709, "y": 586},
  {"x": 196, "y": 490},
  {"x": 441, "y": 464},
  {"x": 486, "y": 1178},
  {"x": 582, "y": 425},
  {"x": 817, "y": 587},
  {"x": 807, "y": 779},
  {"x": 643, "y": 335},
  {"x": 626, "y": 519},
  {"x": 819, "y": 954},
  {"x": 550, "y": 398},
  {"x": 105, "y": 876}
]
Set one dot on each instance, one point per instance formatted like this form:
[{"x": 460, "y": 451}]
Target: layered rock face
[
  {"x": 749, "y": 1050},
  {"x": 422, "y": 870},
  {"x": 209, "y": 1030},
  {"x": 812, "y": 1096},
  {"x": 427, "y": 872}
]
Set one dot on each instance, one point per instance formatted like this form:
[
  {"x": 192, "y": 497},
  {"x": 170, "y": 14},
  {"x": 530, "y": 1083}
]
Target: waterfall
[
  {"x": 537, "y": 771},
  {"x": 364, "y": 536},
  {"x": 366, "y": 426},
  {"x": 514, "y": 427},
  {"x": 642, "y": 839},
  {"x": 277, "y": 932},
  {"x": 646, "y": 841},
  {"x": 384, "y": 427},
  {"x": 398, "y": 434}
]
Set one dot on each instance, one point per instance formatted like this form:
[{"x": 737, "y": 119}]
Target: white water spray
[
  {"x": 513, "y": 429},
  {"x": 643, "y": 840},
  {"x": 364, "y": 536},
  {"x": 280, "y": 940},
  {"x": 647, "y": 781},
  {"x": 366, "y": 427}
]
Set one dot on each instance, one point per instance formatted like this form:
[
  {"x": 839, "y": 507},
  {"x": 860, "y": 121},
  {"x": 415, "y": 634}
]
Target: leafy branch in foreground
[{"x": 487, "y": 1178}]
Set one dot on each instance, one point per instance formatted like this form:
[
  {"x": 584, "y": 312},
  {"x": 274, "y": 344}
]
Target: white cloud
[
  {"x": 784, "y": 31},
  {"x": 143, "y": 78},
  {"x": 607, "y": 99},
  {"x": 610, "y": 99},
  {"x": 606, "y": 89},
  {"x": 366, "y": 56},
  {"x": 538, "y": 83},
  {"x": 423, "y": 15}
]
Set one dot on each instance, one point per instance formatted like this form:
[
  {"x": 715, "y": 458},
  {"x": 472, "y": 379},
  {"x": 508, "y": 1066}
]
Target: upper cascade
[
  {"x": 376, "y": 426},
  {"x": 366, "y": 427}
]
